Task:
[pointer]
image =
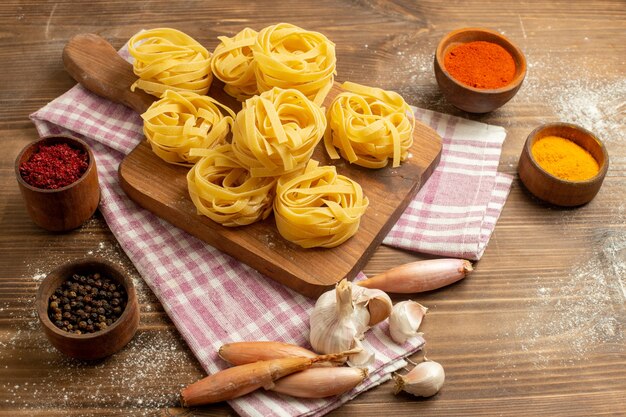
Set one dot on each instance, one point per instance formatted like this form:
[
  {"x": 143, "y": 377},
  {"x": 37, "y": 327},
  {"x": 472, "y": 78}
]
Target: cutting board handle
[{"x": 96, "y": 65}]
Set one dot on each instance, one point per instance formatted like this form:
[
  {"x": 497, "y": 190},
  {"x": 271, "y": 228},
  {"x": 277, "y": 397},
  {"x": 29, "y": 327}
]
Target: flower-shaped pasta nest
[
  {"x": 291, "y": 57},
  {"x": 369, "y": 126},
  {"x": 276, "y": 132},
  {"x": 223, "y": 190},
  {"x": 184, "y": 120},
  {"x": 318, "y": 207},
  {"x": 167, "y": 59},
  {"x": 233, "y": 63}
]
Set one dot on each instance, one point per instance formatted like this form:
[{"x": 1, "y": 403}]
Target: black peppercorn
[{"x": 86, "y": 303}]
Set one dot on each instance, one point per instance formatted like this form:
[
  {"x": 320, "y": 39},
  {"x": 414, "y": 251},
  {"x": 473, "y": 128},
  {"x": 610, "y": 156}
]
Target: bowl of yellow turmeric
[{"x": 563, "y": 164}]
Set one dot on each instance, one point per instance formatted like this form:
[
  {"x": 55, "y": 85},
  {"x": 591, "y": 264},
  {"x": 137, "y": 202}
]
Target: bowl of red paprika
[
  {"x": 563, "y": 164},
  {"x": 478, "y": 70},
  {"x": 58, "y": 179}
]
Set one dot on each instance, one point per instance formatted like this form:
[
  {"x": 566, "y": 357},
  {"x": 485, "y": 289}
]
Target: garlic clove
[
  {"x": 378, "y": 303},
  {"x": 364, "y": 358},
  {"x": 405, "y": 320},
  {"x": 425, "y": 380}
]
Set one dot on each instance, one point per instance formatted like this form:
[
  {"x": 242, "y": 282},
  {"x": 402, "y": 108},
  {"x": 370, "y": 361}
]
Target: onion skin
[
  {"x": 241, "y": 353},
  {"x": 420, "y": 276},
  {"x": 320, "y": 382}
]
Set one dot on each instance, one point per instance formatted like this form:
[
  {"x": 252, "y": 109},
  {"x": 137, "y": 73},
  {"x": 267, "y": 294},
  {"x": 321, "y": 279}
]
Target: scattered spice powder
[
  {"x": 480, "y": 64},
  {"x": 564, "y": 159},
  {"x": 54, "y": 166}
]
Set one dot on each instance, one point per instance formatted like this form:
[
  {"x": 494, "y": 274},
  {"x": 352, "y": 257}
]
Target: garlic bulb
[
  {"x": 405, "y": 319},
  {"x": 338, "y": 323},
  {"x": 425, "y": 380}
]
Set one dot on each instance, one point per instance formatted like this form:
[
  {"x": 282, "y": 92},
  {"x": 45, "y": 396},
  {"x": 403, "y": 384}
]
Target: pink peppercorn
[{"x": 54, "y": 166}]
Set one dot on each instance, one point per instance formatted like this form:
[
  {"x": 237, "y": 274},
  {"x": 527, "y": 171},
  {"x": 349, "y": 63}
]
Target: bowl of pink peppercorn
[{"x": 58, "y": 179}]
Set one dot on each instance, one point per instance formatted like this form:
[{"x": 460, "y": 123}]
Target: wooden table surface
[{"x": 538, "y": 329}]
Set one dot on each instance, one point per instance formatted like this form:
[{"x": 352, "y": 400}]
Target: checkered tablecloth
[{"x": 214, "y": 299}]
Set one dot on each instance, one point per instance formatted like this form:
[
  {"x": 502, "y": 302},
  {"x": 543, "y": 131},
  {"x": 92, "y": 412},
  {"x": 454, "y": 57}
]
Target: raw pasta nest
[
  {"x": 167, "y": 59},
  {"x": 276, "y": 132},
  {"x": 318, "y": 207},
  {"x": 181, "y": 121},
  {"x": 369, "y": 126},
  {"x": 222, "y": 189},
  {"x": 290, "y": 57},
  {"x": 233, "y": 63}
]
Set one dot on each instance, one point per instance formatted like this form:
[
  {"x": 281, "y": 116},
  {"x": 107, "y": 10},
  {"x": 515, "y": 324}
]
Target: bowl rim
[
  {"x": 68, "y": 139},
  {"x": 42, "y": 308},
  {"x": 515, "y": 83},
  {"x": 532, "y": 138}
]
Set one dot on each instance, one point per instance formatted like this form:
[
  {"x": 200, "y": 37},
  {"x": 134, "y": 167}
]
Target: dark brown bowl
[
  {"x": 92, "y": 345},
  {"x": 470, "y": 99},
  {"x": 555, "y": 190},
  {"x": 65, "y": 208}
]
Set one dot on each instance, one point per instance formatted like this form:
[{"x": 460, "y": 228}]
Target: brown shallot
[
  {"x": 243, "y": 379},
  {"x": 320, "y": 382},
  {"x": 420, "y": 276}
]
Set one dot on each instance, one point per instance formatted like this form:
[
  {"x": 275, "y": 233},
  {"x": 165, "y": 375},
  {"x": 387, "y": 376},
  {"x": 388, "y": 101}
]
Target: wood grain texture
[
  {"x": 95, "y": 64},
  {"x": 537, "y": 329}
]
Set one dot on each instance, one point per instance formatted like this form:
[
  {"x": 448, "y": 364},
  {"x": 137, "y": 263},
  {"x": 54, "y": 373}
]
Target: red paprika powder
[
  {"x": 480, "y": 64},
  {"x": 54, "y": 166}
]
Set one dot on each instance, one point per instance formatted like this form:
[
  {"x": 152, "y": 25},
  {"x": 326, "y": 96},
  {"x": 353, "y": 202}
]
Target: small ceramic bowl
[
  {"x": 97, "y": 345},
  {"x": 64, "y": 208},
  {"x": 470, "y": 99},
  {"x": 555, "y": 190}
]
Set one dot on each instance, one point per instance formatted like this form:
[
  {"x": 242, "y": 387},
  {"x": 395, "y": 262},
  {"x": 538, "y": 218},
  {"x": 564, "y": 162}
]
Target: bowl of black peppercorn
[{"x": 88, "y": 308}]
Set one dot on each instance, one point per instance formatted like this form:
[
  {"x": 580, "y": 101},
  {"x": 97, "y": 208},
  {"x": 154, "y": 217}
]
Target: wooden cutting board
[{"x": 162, "y": 188}]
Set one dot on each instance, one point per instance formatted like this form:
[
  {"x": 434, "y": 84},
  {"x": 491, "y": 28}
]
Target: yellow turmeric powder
[{"x": 564, "y": 159}]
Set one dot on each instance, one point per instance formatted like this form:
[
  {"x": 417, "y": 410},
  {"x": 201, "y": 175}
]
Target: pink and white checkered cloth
[
  {"x": 214, "y": 299},
  {"x": 456, "y": 211}
]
